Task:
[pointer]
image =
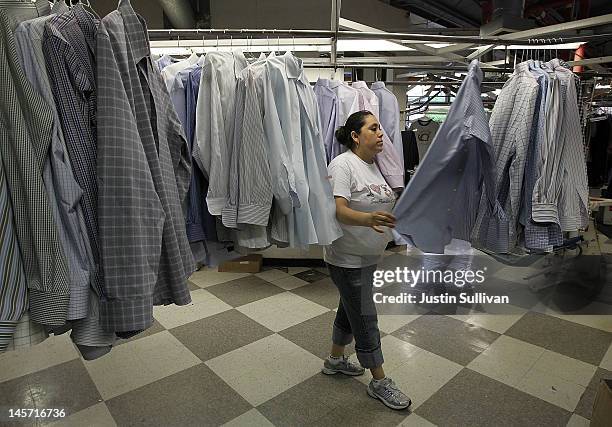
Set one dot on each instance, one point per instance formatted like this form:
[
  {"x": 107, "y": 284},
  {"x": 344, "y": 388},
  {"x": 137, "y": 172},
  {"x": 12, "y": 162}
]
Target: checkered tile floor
[{"x": 248, "y": 352}]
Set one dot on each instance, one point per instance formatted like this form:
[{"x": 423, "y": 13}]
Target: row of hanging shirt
[
  {"x": 337, "y": 101},
  {"x": 540, "y": 176},
  {"x": 96, "y": 165},
  {"x": 259, "y": 164},
  {"x": 518, "y": 179}
]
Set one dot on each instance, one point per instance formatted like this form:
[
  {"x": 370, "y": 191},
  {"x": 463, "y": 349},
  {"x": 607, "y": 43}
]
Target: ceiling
[{"x": 466, "y": 14}]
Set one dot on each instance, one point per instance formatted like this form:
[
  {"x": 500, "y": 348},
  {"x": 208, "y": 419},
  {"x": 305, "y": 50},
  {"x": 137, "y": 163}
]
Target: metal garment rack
[{"x": 450, "y": 61}]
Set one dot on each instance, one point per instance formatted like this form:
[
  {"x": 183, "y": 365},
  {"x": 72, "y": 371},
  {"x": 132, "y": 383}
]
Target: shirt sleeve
[{"x": 340, "y": 180}]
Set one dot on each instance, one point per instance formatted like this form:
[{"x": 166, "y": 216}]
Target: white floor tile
[
  {"x": 389, "y": 323},
  {"x": 282, "y": 311},
  {"x": 262, "y": 370},
  {"x": 51, "y": 352},
  {"x": 413, "y": 420},
  {"x": 551, "y": 388},
  {"x": 606, "y": 362},
  {"x": 203, "y": 304},
  {"x": 507, "y": 360},
  {"x": 417, "y": 372},
  {"x": 272, "y": 275},
  {"x": 94, "y": 416},
  {"x": 497, "y": 317},
  {"x": 206, "y": 277},
  {"x": 138, "y": 363},
  {"x": 290, "y": 283},
  {"x": 572, "y": 370},
  {"x": 578, "y": 421},
  {"x": 252, "y": 418}
]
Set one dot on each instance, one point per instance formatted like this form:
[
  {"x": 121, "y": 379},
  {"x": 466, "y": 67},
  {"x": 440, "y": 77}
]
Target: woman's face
[{"x": 370, "y": 139}]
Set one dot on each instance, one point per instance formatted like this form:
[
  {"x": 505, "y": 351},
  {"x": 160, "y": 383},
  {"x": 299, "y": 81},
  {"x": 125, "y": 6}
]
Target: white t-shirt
[{"x": 366, "y": 190}]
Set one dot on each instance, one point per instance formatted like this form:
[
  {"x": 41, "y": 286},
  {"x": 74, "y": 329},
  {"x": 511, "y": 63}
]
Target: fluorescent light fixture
[{"x": 361, "y": 45}]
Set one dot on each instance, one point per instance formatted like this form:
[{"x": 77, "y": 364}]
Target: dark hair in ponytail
[{"x": 354, "y": 123}]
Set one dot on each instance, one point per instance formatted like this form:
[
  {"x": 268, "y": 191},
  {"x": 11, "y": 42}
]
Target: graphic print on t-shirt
[{"x": 380, "y": 193}]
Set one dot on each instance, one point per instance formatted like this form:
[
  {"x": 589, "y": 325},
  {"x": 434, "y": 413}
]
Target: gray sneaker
[
  {"x": 388, "y": 393},
  {"x": 344, "y": 366}
]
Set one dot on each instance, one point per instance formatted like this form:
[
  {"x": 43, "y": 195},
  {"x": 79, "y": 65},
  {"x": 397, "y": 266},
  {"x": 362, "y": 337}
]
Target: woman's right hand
[{"x": 379, "y": 219}]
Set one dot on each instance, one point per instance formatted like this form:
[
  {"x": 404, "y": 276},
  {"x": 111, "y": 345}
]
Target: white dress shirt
[{"x": 215, "y": 117}]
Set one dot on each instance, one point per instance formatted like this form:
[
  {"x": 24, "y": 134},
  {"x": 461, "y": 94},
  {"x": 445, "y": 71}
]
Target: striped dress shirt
[
  {"x": 25, "y": 132},
  {"x": 69, "y": 45},
  {"x": 250, "y": 190},
  {"x": 538, "y": 236},
  {"x": 144, "y": 172},
  {"x": 573, "y": 204},
  {"x": 14, "y": 289},
  {"x": 327, "y": 101},
  {"x": 62, "y": 188},
  {"x": 510, "y": 125},
  {"x": 250, "y": 184},
  {"x": 215, "y": 122}
]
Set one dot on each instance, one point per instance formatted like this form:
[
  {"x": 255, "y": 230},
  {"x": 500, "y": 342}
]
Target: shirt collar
[
  {"x": 359, "y": 85},
  {"x": 322, "y": 82},
  {"x": 522, "y": 67},
  {"x": 378, "y": 85},
  {"x": 474, "y": 69},
  {"x": 554, "y": 63},
  {"x": 88, "y": 25},
  {"x": 59, "y": 7},
  {"x": 293, "y": 66},
  {"x": 136, "y": 30}
]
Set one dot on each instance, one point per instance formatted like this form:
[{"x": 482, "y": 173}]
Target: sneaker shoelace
[{"x": 392, "y": 391}]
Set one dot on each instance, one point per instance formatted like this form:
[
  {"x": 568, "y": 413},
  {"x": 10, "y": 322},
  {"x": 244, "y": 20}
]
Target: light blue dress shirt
[
  {"x": 538, "y": 236},
  {"x": 389, "y": 116},
  {"x": 327, "y": 101},
  {"x": 320, "y": 199},
  {"x": 441, "y": 200}
]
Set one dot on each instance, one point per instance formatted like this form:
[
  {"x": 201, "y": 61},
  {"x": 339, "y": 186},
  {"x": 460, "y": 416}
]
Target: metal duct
[
  {"x": 507, "y": 17},
  {"x": 509, "y": 8},
  {"x": 179, "y": 13}
]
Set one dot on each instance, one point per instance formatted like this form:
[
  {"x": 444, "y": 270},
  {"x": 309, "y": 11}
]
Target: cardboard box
[
  {"x": 603, "y": 207},
  {"x": 602, "y": 408},
  {"x": 605, "y": 213},
  {"x": 246, "y": 264}
]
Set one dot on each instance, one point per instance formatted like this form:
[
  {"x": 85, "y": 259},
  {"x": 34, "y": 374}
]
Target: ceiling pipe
[
  {"x": 536, "y": 9},
  {"x": 507, "y": 16},
  {"x": 509, "y": 8},
  {"x": 179, "y": 13}
]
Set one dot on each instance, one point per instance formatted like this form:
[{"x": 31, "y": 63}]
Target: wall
[{"x": 311, "y": 14}]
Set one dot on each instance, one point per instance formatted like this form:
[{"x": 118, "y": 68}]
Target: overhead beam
[
  {"x": 435, "y": 52},
  {"x": 352, "y": 25},
  {"x": 592, "y": 61},
  {"x": 455, "y": 48},
  {"x": 535, "y": 33}
]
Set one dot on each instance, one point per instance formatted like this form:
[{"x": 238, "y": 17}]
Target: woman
[{"x": 363, "y": 205}]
